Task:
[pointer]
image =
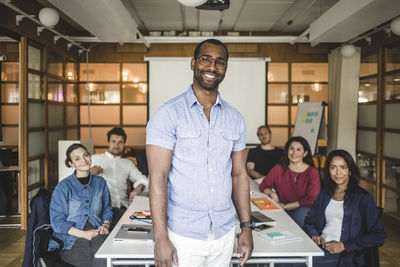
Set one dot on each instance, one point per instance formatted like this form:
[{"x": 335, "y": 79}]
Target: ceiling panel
[
  {"x": 159, "y": 14},
  {"x": 261, "y": 15},
  {"x": 231, "y": 15},
  {"x": 209, "y": 20},
  {"x": 191, "y": 21}
]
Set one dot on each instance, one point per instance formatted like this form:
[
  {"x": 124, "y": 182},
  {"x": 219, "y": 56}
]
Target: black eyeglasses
[{"x": 207, "y": 61}]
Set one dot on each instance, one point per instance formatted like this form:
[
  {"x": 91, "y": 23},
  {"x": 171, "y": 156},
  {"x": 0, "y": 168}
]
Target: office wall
[{"x": 243, "y": 86}]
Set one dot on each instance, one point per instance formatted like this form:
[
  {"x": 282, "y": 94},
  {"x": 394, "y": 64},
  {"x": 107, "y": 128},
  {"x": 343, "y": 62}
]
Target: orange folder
[{"x": 263, "y": 203}]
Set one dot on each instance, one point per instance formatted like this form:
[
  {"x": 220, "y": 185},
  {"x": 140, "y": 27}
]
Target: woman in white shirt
[{"x": 344, "y": 218}]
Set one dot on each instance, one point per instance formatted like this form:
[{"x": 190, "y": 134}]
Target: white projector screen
[{"x": 243, "y": 86}]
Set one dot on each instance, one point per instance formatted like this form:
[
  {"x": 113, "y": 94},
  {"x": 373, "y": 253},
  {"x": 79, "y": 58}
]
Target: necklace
[{"x": 338, "y": 195}]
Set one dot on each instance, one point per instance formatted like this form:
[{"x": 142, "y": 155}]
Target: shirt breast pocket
[
  {"x": 229, "y": 137},
  {"x": 188, "y": 143},
  {"x": 74, "y": 208}
]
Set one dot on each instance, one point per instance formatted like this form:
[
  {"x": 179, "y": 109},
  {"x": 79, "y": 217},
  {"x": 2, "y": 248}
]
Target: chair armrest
[{"x": 59, "y": 241}]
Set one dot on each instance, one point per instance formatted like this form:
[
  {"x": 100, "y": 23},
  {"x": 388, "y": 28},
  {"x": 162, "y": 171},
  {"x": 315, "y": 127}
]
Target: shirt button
[
  {"x": 87, "y": 200},
  {"x": 86, "y": 215},
  {"x": 210, "y": 211}
]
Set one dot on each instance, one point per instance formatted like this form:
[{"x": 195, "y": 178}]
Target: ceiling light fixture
[
  {"x": 49, "y": 17},
  {"x": 395, "y": 26},
  {"x": 348, "y": 50},
  {"x": 192, "y": 3}
]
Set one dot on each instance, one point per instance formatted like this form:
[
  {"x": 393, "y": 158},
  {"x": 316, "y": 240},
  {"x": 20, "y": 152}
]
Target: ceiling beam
[{"x": 348, "y": 19}]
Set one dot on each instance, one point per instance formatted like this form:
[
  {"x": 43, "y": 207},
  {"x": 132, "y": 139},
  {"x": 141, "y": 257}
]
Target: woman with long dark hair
[
  {"x": 344, "y": 218},
  {"x": 80, "y": 211},
  {"x": 294, "y": 182}
]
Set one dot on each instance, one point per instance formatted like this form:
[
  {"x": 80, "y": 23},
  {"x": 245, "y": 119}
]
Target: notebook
[
  {"x": 259, "y": 218},
  {"x": 280, "y": 237},
  {"x": 134, "y": 233}
]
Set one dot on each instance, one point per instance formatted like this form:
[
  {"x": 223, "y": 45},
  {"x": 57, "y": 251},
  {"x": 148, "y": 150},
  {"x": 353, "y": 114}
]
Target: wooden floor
[{"x": 11, "y": 255}]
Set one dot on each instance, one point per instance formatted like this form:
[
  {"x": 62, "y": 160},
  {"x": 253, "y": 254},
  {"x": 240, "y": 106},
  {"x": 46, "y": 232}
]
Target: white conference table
[{"x": 142, "y": 253}]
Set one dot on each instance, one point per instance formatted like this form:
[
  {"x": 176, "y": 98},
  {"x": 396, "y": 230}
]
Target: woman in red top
[{"x": 294, "y": 182}]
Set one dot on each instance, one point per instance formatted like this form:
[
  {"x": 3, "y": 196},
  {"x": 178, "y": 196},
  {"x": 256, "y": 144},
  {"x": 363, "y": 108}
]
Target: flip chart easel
[{"x": 310, "y": 123}]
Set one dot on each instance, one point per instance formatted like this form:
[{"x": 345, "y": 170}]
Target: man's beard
[{"x": 198, "y": 75}]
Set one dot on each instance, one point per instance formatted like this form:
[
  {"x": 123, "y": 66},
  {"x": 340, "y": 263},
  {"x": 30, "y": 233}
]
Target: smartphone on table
[{"x": 262, "y": 227}]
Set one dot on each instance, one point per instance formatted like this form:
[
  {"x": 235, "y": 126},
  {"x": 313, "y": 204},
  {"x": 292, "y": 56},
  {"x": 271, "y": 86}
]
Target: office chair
[
  {"x": 49, "y": 258},
  {"x": 371, "y": 255}
]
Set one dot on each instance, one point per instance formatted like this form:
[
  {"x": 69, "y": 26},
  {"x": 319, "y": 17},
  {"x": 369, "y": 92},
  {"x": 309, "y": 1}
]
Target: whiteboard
[
  {"x": 244, "y": 86},
  {"x": 310, "y": 123}
]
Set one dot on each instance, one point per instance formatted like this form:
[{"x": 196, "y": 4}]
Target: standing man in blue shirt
[{"x": 196, "y": 153}]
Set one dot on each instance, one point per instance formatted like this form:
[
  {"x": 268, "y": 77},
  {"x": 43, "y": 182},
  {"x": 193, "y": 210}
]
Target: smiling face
[
  {"x": 80, "y": 160},
  {"x": 264, "y": 135},
  {"x": 116, "y": 145},
  {"x": 296, "y": 152},
  {"x": 339, "y": 171},
  {"x": 209, "y": 77}
]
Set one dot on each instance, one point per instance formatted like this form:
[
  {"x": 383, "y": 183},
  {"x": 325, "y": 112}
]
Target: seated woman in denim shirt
[
  {"x": 80, "y": 211},
  {"x": 344, "y": 218}
]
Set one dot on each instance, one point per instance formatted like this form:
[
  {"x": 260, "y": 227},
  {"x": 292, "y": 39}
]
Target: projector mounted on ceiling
[{"x": 215, "y": 5}]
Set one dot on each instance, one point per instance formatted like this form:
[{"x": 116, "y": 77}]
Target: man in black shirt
[{"x": 261, "y": 159}]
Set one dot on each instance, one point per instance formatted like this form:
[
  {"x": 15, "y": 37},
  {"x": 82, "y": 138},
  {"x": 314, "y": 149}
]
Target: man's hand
[
  {"x": 135, "y": 192},
  {"x": 245, "y": 245},
  {"x": 319, "y": 240},
  {"x": 165, "y": 253},
  {"x": 96, "y": 170},
  {"x": 334, "y": 247}
]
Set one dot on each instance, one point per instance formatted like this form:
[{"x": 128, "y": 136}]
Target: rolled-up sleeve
[
  {"x": 269, "y": 180},
  {"x": 59, "y": 211},
  {"x": 160, "y": 130},
  {"x": 240, "y": 144},
  {"x": 137, "y": 178}
]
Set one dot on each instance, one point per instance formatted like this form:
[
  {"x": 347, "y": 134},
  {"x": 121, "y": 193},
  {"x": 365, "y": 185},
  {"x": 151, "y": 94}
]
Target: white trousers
[{"x": 203, "y": 253}]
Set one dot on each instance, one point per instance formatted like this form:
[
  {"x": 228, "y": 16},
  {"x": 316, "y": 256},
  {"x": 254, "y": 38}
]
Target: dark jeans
[
  {"x": 82, "y": 253},
  {"x": 298, "y": 215}
]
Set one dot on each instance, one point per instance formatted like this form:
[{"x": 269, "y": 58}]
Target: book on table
[
  {"x": 260, "y": 218},
  {"x": 134, "y": 233},
  {"x": 280, "y": 236}
]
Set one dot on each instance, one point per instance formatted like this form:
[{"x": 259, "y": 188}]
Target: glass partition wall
[
  {"x": 113, "y": 94},
  {"x": 9, "y": 127},
  {"x": 378, "y": 132},
  {"x": 287, "y": 85},
  {"x": 52, "y": 113}
]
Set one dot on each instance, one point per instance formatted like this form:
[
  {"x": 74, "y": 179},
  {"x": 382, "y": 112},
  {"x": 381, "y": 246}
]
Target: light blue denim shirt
[
  {"x": 200, "y": 181},
  {"x": 73, "y": 204}
]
